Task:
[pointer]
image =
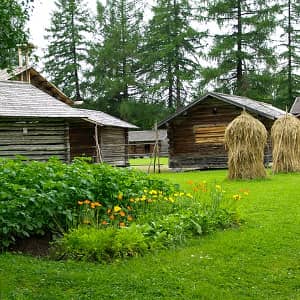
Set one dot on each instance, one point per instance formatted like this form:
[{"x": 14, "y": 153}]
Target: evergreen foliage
[
  {"x": 67, "y": 47},
  {"x": 170, "y": 56},
  {"x": 240, "y": 53},
  {"x": 13, "y": 17},
  {"x": 289, "y": 77},
  {"x": 114, "y": 58}
]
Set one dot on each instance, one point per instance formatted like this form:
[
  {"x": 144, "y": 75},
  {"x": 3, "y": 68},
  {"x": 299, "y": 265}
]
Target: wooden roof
[
  {"x": 31, "y": 75},
  {"x": 146, "y": 135},
  {"x": 104, "y": 119},
  {"x": 20, "y": 99},
  {"x": 260, "y": 108},
  {"x": 295, "y": 109}
]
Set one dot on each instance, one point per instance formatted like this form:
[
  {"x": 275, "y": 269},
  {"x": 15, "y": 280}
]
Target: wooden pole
[{"x": 98, "y": 149}]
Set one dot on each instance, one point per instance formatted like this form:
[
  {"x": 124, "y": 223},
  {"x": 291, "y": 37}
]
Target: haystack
[
  {"x": 245, "y": 140},
  {"x": 285, "y": 134}
]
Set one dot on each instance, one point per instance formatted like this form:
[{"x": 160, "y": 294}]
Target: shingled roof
[
  {"x": 30, "y": 74},
  {"x": 104, "y": 119},
  {"x": 19, "y": 99},
  {"x": 295, "y": 109},
  {"x": 146, "y": 135},
  {"x": 261, "y": 108}
]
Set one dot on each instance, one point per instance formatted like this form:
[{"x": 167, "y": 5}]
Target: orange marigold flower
[
  {"x": 92, "y": 205},
  {"x": 122, "y": 213},
  {"x": 112, "y": 217},
  {"x": 104, "y": 222},
  {"x": 80, "y": 202},
  {"x": 129, "y": 218},
  {"x": 122, "y": 224},
  {"x": 86, "y": 201},
  {"x": 97, "y": 204}
]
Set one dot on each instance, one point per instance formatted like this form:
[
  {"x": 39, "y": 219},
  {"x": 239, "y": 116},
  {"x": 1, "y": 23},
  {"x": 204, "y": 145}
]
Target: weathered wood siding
[
  {"x": 113, "y": 143},
  {"x": 82, "y": 139},
  {"x": 207, "y": 120},
  {"x": 34, "y": 138}
]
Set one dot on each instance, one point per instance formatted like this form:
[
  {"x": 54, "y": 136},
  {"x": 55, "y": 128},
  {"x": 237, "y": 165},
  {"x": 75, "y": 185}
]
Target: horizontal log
[{"x": 33, "y": 148}]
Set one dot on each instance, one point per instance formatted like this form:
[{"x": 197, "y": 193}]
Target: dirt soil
[{"x": 36, "y": 246}]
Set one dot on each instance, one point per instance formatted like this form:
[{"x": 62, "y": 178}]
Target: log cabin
[
  {"x": 196, "y": 132},
  {"x": 38, "y": 126},
  {"x": 141, "y": 142}
]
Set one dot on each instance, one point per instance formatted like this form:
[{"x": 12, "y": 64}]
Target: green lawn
[{"x": 260, "y": 260}]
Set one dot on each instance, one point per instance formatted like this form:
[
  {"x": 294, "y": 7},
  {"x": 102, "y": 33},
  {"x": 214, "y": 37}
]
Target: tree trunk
[{"x": 239, "y": 66}]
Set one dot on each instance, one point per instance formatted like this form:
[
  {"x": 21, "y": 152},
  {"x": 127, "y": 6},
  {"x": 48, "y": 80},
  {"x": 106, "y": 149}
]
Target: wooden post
[{"x": 98, "y": 149}]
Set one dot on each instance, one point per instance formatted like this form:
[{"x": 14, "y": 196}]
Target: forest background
[{"x": 142, "y": 64}]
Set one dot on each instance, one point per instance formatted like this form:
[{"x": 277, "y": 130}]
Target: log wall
[
  {"x": 37, "y": 139},
  {"x": 114, "y": 145},
  {"x": 195, "y": 137}
]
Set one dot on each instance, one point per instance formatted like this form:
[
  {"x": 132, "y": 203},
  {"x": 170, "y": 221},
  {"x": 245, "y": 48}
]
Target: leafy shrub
[
  {"x": 206, "y": 211},
  {"x": 37, "y": 197}
]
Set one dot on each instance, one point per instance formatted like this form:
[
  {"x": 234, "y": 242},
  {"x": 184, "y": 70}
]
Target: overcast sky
[{"x": 40, "y": 20}]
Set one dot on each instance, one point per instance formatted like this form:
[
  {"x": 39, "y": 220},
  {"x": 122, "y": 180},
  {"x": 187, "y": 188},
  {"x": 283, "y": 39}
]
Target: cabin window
[{"x": 209, "y": 134}]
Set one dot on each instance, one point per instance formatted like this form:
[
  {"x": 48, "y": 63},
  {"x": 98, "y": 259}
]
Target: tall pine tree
[
  {"x": 67, "y": 49},
  {"x": 289, "y": 75},
  {"x": 114, "y": 58},
  {"x": 170, "y": 55},
  {"x": 241, "y": 52}
]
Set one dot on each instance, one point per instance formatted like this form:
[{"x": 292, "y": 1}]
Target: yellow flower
[
  {"x": 236, "y": 197},
  {"x": 218, "y": 187},
  {"x": 117, "y": 208},
  {"x": 92, "y": 205},
  {"x": 120, "y": 196},
  {"x": 80, "y": 202},
  {"x": 131, "y": 200},
  {"x": 97, "y": 204},
  {"x": 189, "y": 195},
  {"x": 86, "y": 201}
]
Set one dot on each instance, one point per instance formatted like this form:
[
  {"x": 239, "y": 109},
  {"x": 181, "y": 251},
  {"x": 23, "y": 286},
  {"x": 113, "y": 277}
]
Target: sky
[{"x": 40, "y": 20}]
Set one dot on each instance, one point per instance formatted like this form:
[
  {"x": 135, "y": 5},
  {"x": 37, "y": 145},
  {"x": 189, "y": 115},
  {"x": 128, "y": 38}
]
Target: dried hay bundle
[
  {"x": 285, "y": 134},
  {"x": 245, "y": 139}
]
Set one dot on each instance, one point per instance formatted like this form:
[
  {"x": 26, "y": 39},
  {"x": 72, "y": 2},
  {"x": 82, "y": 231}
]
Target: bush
[{"x": 37, "y": 197}]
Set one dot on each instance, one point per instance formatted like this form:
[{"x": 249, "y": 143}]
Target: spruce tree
[
  {"x": 241, "y": 51},
  {"x": 170, "y": 55},
  {"x": 13, "y": 17},
  {"x": 67, "y": 48},
  {"x": 289, "y": 75},
  {"x": 114, "y": 58}
]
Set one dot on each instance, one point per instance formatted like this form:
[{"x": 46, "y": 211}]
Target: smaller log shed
[
  {"x": 38, "y": 126},
  {"x": 196, "y": 132},
  {"x": 141, "y": 143}
]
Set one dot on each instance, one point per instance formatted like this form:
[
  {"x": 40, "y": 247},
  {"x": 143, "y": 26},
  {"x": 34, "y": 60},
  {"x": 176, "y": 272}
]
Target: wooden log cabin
[
  {"x": 38, "y": 126},
  {"x": 141, "y": 142},
  {"x": 196, "y": 132}
]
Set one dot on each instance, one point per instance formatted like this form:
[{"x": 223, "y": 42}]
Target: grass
[
  {"x": 260, "y": 260},
  {"x": 143, "y": 164}
]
